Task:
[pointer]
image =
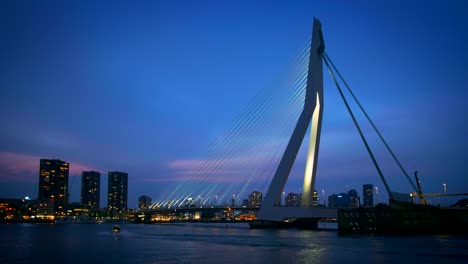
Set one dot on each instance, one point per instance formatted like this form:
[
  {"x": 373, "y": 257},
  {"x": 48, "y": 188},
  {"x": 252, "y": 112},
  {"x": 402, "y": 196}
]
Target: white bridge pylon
[{"x": 312, "y": 112}]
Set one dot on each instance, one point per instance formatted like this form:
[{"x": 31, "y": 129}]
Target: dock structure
[{"x": 403, "y": 219}]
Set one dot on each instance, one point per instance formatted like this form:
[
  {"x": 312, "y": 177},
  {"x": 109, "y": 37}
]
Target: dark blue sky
[{"x": 139, "y": 87}]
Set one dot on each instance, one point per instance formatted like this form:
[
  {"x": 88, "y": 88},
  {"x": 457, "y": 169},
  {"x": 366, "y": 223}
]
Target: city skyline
[
  {"x": 91, "y": 189},
  {"x": 145, "y": 90}
]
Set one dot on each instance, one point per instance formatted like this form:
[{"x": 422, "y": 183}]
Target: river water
[{"x": 188, "y": 243}]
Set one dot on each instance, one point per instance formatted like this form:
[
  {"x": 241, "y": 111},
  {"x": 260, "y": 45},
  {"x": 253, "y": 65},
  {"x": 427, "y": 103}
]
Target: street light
[
  {"x": 445, "y": 191},
  {"x": 376, "y": 194}
]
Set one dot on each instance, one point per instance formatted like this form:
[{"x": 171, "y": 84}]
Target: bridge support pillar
[{"x": 312, "y": 111}]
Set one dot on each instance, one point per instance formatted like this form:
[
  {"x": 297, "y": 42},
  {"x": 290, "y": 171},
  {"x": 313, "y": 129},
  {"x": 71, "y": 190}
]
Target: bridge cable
[
  {"x": 259, "y": 141},
  {"x": 249, "y": 136},
  {"x": 359, "y": 129},
  {"x": 235, "y": 136},
  {"x": 256, "y": 140},
  {"x": 230, "y": 134},
  {"x": 371, "y": 122}
]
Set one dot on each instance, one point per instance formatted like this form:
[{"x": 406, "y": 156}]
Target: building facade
[
  {"x": 90, "y": 189},
  {"x": 293, "y": 200},
  {"x": 354, "y": 200},
  {"x": 53, "y": 184},
  {"x": 368, "y": 196},
  {"x": 144, "y": 202},
  {"x": 344, "y": 200},
  {"x": 340, "y": 200},
  {"x": 21, "y": 210},
  {"x": 315, "y": 199},
  {"x": 117, "y": 192},
  {"x": 255, "y": 199}
]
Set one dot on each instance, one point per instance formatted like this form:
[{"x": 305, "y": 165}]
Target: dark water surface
[{"x": 186, "y": 243}]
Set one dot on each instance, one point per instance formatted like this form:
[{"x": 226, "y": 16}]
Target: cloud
[
  {"x": 15, "y": 167},
  {"x": 184, "y": 177},
  {"x": 184, "y": 164},
  {"x": 18, "y": 163}
]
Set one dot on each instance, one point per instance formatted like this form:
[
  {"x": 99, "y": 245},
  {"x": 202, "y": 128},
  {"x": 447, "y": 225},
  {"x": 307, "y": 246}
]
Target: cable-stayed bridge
[
  {"x": 258, "y": 150},
  {"x": 244, "y": 157}
]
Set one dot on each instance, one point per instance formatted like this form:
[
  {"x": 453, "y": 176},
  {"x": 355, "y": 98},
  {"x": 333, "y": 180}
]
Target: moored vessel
[{"x": 116, "y": 229}]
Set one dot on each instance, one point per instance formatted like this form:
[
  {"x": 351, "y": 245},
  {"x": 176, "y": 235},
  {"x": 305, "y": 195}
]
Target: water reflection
[{"x": 213, "y": 244}]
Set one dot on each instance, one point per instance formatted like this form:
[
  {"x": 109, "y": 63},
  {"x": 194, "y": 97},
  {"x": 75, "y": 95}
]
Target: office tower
[
  {"x": 340, "y": 200},
  {"x": 255, "y": 199},
  {"x": 90, "y": 189},
  {"x": 368, "y": 195},
  {"x": 117, "y": 193},
  {"x": 353, "y": 199},
  {"x": 144, "y": 202},
  {"x": 293, "y": 200},
  {"x": 53, "y": 184}
]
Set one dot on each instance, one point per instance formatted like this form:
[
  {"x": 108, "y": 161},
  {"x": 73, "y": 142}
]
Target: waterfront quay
[{"x": 205, "y": 214}]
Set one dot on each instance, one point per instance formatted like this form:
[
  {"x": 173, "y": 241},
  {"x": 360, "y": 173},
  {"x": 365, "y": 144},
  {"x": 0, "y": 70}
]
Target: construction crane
[{"x": 420, "y": 194}]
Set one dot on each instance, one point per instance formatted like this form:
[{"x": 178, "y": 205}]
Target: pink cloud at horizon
[
  {"x": 25, "y": 167},
  {"x": 183, "y": 177}
]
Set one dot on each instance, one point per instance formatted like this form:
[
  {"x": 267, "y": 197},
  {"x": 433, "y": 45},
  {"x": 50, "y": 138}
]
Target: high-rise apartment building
[
  {"x": 53, "y": 183},
  {"x": 90, "y": 189},
  {"x": 368, "y": 195},
  {"x": 255, "y": 199},
  {"x": 117, "y": 192}
]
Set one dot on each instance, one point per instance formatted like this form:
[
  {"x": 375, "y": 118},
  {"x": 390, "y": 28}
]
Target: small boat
[{"x": 116, "y": 229}]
